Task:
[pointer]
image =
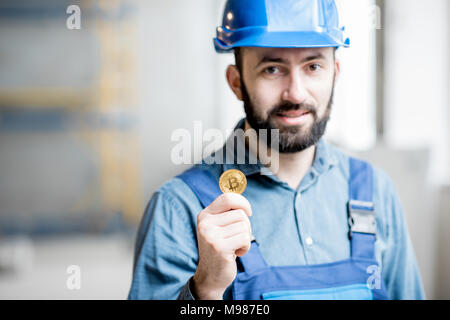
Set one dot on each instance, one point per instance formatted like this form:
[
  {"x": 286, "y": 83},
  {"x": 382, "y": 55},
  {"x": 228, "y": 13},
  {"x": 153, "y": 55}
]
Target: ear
[
  {"x": 337, "y": 68},
  {"x": 234, "y": 81}
]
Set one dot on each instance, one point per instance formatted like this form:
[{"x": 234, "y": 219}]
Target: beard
[{"x": 291, "y": 138}]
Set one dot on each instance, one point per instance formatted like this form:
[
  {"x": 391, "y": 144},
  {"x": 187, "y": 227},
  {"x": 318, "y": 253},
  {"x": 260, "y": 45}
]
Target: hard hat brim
[{"x": 284, "y": 39}]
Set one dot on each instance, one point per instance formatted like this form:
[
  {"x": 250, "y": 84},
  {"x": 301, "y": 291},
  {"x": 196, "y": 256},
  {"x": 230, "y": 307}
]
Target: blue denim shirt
[{"x": 305, "y": 226}]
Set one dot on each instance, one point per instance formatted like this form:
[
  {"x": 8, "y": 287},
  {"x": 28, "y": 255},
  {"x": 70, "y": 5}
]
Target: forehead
[{"x": 254, "y": 55}]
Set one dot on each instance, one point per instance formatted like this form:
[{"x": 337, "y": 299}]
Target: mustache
[{"x": 287, "y": 106}]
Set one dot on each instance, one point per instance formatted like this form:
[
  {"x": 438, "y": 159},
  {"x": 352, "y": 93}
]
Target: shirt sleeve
[
  {"x": 166, "y": 254},
  {"x": 400, "y": 270},
  {"x": 186, "y": 293}
]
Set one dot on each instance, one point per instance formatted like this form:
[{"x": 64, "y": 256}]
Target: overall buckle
[{"x": 362, "y": 218}]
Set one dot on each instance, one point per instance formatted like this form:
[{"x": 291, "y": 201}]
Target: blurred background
[{"x": 91, "y": 92}]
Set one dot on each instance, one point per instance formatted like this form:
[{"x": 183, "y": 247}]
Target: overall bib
[{"x": 356, "y": 278}]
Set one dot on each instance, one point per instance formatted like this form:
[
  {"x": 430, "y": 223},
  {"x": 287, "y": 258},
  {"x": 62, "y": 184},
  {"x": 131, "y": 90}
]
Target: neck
[{"x": 292, "y": 167}]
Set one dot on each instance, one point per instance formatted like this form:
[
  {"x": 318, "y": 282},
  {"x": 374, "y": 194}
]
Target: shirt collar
[{"x": 324, "y": 157}]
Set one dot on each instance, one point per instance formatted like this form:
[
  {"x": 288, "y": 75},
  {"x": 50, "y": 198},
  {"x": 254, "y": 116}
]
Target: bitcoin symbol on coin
[
  {"x": 233, "y": 184},
  {"x": 232, "y": 181}
]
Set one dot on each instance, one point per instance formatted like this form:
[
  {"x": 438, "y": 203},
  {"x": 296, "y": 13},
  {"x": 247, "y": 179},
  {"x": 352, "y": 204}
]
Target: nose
[{"x": 295, "y": 92}]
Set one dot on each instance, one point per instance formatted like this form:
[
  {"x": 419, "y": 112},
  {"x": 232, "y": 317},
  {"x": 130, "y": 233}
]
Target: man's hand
[{"x": 223, "y": 232}]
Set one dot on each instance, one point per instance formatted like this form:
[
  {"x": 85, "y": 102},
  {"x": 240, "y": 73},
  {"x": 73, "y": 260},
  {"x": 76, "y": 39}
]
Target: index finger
[{"x": 229, "y": 201}]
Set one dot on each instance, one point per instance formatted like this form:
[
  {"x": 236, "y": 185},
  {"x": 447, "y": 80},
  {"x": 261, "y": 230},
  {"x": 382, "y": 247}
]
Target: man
[{"x": 309, "y": 230}]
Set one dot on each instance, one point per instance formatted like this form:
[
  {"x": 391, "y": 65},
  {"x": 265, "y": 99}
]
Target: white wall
[
  {"x": 417, "y": 82},
  {"x": 178, "y": 80},
  {"x": 417, "y": 122},
  {"x": 353, "y": 123}
]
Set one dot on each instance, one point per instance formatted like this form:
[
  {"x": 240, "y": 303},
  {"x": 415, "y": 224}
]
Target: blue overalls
[{"x": 358, "y": 277}]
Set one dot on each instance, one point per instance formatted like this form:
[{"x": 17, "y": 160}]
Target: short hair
[{"x": 238, "y": 59}]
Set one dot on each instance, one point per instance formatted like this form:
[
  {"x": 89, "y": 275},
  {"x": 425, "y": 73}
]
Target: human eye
[
  {"x": 271, "y": 70},
  {"x": 314, "y": 67}
]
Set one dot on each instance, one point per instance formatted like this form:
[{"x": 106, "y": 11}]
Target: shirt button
[{"x": 309, "y": 241}]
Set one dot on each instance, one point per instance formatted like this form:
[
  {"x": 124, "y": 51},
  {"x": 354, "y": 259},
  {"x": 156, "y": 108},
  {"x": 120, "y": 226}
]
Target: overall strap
[
  {"x": 253, "y": 261},
  {"x": 361, "y": 210},
  {"x": 203, "y": 184}
]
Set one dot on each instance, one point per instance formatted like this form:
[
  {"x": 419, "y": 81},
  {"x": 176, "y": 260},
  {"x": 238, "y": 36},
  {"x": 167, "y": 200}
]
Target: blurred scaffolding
[
  {"x": 69, "y": 151},
  {"x": 70, "y": 157}
]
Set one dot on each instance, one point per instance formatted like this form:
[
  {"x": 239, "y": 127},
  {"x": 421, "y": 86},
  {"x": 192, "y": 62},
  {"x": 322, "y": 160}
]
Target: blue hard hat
[{"x": 279, "y": 23}]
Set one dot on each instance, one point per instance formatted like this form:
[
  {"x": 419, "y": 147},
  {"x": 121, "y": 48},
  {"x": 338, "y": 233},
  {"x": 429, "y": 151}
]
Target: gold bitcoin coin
[{"x": 232, "y": 181}]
